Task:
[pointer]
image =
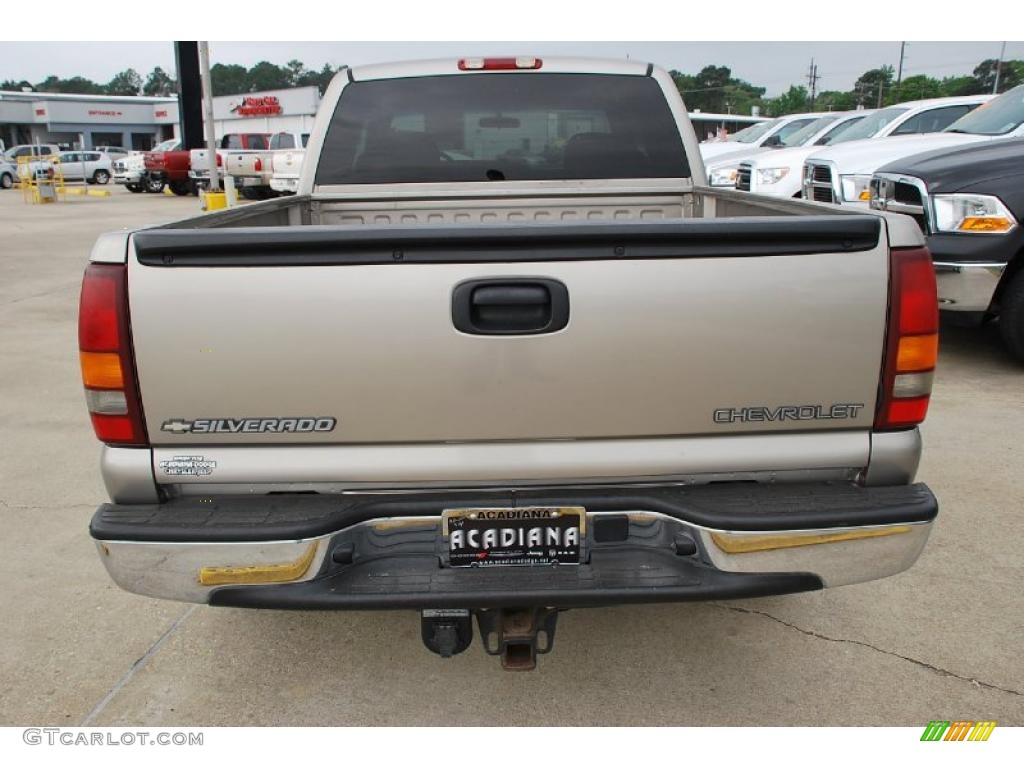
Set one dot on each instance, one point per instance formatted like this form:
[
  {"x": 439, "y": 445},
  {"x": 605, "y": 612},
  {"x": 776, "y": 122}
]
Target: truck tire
[
  {"x": 6, "y": 181},
  {"x": 154, "y": 185},
  {"x": 101, "y": 177},
  {"x": 134, "y": 187},
  {"x": 257, "y": 193},
  {"x": 181, "y": 188},
  {"x": 1011, "y": 316}
]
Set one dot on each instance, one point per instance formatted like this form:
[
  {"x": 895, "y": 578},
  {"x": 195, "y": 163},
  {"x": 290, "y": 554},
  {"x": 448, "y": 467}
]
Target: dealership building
[{"x": 76, "y": 121}]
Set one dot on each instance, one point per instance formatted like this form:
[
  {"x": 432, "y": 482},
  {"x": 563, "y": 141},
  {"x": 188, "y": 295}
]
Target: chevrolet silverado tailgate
[{"x": 323, "y": 334}]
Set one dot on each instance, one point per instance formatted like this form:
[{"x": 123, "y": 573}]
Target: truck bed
[{"x": 602, "y": 204}]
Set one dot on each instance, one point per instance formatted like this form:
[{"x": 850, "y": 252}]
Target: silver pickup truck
[{"x": 505, "y": 353}]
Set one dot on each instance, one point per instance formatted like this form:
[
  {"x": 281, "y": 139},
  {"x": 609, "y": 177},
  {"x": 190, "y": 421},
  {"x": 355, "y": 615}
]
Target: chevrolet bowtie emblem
[{"x": 177, "y": 426}]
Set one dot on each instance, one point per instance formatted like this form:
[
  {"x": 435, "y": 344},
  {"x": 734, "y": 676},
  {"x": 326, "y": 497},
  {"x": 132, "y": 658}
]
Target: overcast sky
[{"x": 773, "y": 65}]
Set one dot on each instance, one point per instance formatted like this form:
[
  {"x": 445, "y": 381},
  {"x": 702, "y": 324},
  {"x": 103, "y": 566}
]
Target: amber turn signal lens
[
  {"x": 985, "y": 224},
  {"x": 101, "y": 370},
  {"x": 917, "y": 353}
]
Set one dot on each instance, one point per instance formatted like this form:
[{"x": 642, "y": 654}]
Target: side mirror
[{"x": 773, "y": 141}]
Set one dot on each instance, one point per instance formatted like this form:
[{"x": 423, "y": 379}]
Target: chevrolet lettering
[{"x": 787, "y": 413}]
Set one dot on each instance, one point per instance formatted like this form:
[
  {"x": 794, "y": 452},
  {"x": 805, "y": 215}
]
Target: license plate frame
[{"x": 523, "y": 536}]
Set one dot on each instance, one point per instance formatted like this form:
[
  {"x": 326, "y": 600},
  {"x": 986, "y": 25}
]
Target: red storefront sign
[{"x": 258, "y": 105}]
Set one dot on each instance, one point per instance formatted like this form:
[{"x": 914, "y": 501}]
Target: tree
[
  {"x": 265, "y": 76},
  {"x": 159, "y": 83},
  {"x": 323, "y": 78},
  {"x": 14, "y": 85},
  {"x": 836, "y": 101},
  {"x": 227, "y": 79},
  {"x": 959, "y": 85},
  {"x": 714, "y": 89},
  {"x": 916, "y": 87},
  {"x": 126, "y": 83},
  {"x": 793, "y": 100},
  {"x": 297, "y": 73},
  {"x": 1011, "y": 74},
  {"x": 874, "y": 85}
]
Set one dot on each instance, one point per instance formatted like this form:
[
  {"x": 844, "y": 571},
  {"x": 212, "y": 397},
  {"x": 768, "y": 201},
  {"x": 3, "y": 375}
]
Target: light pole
[
  {"x": 211, "y": 133},
  {"x": 999, "y": 67}
]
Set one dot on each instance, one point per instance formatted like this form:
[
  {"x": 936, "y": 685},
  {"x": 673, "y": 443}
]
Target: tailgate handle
[{"x": 507, "y": 307}]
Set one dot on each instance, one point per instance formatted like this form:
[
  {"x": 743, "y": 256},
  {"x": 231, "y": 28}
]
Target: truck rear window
[{"x": 501, "y": 126}]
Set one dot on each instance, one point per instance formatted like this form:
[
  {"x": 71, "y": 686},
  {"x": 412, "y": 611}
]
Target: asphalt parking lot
[{"x": 941, "y": 641}]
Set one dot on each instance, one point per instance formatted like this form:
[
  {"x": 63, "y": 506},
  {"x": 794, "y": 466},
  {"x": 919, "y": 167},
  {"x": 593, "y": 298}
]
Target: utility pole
[
  {"x": 881, "y": 84},
  {"x": 999, "y": 67},
  {"x": 812, "y": 82},
  {"x": 899, "y": 70},
  {"x": 211, "y": 131}
]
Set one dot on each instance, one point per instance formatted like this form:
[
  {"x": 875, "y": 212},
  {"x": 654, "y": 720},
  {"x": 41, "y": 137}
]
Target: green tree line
[
  {"x": 226, "y": 79},
  {"x": 712, "y": 89}
]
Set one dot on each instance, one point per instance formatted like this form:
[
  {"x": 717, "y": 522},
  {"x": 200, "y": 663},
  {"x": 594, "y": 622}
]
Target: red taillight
[
  {"x": 258, "y": 165},
  {"x": 912, "y": 340},
  {"x": 105, "y": 353},
  {"x": 218, "y": 160},
  {"x": 500, "y": 62}
]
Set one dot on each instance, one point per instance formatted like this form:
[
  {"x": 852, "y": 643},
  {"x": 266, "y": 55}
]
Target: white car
[
  {"x": 8, "y": 173},
  {"x": 93, "y": 167},
  {"x": 30, "y": 151},
  {"x": 780, "y": 173},
  {"x": 767, "y": 135},
  {"x": 842, "y": 174},
  {"x": 725, "y": 172}
]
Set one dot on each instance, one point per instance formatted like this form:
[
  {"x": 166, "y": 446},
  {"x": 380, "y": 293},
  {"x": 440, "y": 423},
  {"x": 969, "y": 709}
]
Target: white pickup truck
[
  {"x": 726, "y": 172},
  {"x": 231, "y": 149},
  {"x": 759, "y": 136},
  {"x": 252, "y": 169},
  {"x": 286, "y": 164},
  {"x": 505, "y": 353}
]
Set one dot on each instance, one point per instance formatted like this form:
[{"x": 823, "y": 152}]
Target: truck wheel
[
  {"x": 6, "y": 181},
  {"x": 1011, "y": 316},
  {"x": 181, "y": 188},
  {"x": 101, "y": 177},
  {"x": 134, "y": 187},
  {"x": 154, "y": 185},
  {"x": 257, "y": 193}
]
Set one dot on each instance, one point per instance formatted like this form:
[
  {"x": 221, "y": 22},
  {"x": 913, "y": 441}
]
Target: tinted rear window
[{"x": 498, "y": 127}]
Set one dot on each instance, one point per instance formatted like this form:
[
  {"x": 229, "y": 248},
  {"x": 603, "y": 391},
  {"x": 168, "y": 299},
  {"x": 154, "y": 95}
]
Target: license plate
[{"x": 514, "y": 536}]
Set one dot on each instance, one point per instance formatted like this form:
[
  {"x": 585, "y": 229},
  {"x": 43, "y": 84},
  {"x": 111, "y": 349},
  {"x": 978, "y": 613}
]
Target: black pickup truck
[{"x": 969, "y": 202}]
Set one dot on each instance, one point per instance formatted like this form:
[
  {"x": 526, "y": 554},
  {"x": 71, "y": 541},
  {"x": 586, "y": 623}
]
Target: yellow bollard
[{"x": 214, "y": 201}]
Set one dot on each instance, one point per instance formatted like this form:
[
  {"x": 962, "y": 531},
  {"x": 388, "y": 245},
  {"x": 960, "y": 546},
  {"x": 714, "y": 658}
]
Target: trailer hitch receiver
[{"x": 517, "y": 635}]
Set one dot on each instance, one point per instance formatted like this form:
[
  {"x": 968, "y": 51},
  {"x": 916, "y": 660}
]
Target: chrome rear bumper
[{"x": 397, "y": 561}]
